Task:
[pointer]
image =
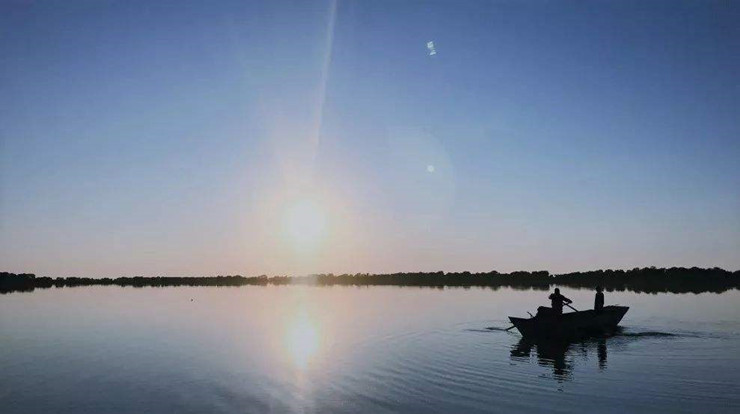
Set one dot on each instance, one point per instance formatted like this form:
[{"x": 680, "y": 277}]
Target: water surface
[{"x": 354, "y": 349}]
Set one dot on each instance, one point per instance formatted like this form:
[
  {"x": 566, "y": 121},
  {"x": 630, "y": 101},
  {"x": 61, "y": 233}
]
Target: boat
[{"x": 573, "y": 325}]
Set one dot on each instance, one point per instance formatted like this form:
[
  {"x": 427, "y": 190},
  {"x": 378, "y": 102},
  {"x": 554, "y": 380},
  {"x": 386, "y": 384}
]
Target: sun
[{"x": 305, "y": 224}]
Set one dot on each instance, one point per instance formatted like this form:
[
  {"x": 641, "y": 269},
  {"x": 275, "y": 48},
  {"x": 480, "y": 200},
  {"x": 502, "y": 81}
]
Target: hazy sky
[{"x": 248, "y": 137}]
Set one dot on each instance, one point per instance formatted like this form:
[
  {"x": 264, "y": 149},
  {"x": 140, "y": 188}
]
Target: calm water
[{"x": 348, "y": 349}]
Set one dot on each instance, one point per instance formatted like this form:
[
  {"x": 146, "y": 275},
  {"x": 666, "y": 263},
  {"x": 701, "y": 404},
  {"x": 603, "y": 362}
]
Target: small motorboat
[{"x": 573, "y": 325}]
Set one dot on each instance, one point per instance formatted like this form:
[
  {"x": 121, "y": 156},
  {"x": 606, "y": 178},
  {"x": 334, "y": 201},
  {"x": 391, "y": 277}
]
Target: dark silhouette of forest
[{"x": 641, "y": 280}]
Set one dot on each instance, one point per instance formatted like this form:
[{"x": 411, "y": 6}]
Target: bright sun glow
[
  {"x": 305, "y": 224},
  {"x": 302, "y": 340}
]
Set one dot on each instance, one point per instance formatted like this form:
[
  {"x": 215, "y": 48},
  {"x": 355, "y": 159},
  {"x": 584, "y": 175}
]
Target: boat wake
[
  {"x": 658, "y": 334},
  {"x": 649, "y": 334},
  {"x": 487, "y": 330},
  {"x": 619, "y": 333},
  {"x": 495, "y": 328}
]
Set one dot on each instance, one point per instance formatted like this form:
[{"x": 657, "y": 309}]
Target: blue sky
[{"x": 178, "y": 138}]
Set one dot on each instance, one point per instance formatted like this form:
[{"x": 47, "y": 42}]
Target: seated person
[{"x": 557, "y": 301}]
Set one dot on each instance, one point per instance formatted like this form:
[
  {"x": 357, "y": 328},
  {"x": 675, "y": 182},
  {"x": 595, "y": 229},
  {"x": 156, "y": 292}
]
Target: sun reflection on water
[{"x": 302, "y": 340}]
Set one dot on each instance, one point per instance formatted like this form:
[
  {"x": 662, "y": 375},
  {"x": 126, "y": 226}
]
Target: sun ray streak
[{"x": 321, "y": 99}]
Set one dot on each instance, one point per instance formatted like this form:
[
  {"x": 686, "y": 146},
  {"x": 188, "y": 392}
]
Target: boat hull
[{"x": 571, "y": 325}]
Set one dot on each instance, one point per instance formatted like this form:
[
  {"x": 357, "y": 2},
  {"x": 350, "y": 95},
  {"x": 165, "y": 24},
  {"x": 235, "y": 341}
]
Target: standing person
[
  {"x": 557, "y": 301},
  {"x": 599, "y": 299}
]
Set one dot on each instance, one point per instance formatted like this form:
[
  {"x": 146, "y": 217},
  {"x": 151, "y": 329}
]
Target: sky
[{"x": 249, "y": 137}]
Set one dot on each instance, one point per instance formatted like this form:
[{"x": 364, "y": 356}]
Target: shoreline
[{"x": 641, "y": 280}]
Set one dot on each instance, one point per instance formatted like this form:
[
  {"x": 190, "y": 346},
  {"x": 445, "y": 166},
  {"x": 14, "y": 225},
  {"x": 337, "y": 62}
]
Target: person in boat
[
  {"x": 599, "y": 299},
  {"x": 557, "y": 301}
]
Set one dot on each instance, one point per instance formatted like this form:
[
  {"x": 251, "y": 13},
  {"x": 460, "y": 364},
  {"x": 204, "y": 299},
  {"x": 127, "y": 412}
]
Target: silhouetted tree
[{"x": 648, "y": 280}]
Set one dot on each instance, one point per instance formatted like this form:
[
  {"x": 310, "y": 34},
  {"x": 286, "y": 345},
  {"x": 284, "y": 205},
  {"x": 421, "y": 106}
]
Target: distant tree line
[{"x": 647, "y": 280}]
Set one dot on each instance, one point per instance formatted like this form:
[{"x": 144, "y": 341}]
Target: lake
[{"x": 286, "y": 349}]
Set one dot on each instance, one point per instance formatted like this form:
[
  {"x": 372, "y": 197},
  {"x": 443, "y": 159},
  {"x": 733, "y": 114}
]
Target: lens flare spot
[{"x": 430, "y": 47}]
